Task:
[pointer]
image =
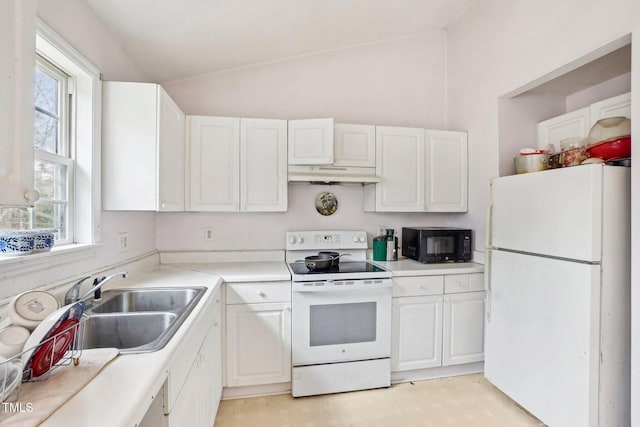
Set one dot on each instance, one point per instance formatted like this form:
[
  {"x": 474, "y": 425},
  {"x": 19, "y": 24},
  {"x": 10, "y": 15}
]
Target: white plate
[
  {"x": 29, "y": 308},
  {"x": 44, "y": 330}
]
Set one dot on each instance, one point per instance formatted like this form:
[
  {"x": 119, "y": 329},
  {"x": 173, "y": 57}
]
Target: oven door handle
[{"x": 340, "y": 286}]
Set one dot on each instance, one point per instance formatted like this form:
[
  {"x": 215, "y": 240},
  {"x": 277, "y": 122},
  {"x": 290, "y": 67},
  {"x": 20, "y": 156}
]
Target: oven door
[{"x": 338, "y": 325}]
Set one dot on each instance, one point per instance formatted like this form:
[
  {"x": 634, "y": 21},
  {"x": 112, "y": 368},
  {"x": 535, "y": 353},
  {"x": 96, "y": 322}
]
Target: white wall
[
  {"x": 497, "y": 46},
  {"x": 399, "y": 82},
  {"x": 77, "y": 23},
  {"x": 265, "y": 231}
]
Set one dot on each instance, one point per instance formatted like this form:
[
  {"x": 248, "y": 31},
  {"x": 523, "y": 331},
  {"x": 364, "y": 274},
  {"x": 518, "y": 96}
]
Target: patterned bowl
[
  {"x": 43, "y": 238},
  {"x": 15, "y": 242}
]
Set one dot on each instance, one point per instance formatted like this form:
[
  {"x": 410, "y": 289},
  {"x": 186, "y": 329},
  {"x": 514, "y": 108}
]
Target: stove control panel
[{"x": 321, "y": 240}]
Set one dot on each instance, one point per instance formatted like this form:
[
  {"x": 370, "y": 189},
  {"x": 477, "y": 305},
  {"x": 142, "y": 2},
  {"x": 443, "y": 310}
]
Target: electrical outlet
[
  {"x": 123, "y": 241},
  {"x": 208, "y": 233}
]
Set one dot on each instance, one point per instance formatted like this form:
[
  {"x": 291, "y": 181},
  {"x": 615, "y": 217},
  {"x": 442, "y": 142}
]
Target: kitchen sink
[
  {"x": 137, "y": 320},
  {"x": 148, "y": 299},
  {"x": 131, "y": 332}
]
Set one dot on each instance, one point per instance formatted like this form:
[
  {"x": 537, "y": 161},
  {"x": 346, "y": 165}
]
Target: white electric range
[{"x": 341, "y": 318}]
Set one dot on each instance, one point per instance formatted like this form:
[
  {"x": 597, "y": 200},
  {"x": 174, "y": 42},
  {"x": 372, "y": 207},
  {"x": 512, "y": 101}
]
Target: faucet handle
[{"x": 97, "y": 293}]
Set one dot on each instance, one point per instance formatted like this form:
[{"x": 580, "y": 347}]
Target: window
[{"x": 52, "y": 139}]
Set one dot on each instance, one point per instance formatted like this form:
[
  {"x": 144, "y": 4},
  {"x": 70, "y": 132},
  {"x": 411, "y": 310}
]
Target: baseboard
[
  {"x": 255, "y": 390},
  {"x": 432, "y": 373}
]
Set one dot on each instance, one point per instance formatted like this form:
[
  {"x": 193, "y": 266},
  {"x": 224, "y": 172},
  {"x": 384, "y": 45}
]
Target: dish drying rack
[{"x": 18, "y": 369}]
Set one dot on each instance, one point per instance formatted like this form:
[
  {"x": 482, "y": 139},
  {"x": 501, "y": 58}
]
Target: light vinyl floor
[{"x": 463, "y": 401}]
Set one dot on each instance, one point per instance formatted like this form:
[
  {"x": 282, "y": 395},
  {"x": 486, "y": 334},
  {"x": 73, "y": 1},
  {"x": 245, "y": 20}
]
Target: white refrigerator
[{"x": 558, "y": 287}]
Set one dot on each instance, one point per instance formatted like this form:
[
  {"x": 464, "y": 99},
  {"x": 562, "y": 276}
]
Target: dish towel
[{"x": 39, "y": 399}]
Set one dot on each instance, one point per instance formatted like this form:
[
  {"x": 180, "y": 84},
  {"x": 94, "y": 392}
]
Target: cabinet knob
[
  {"x": 261, "y": 294},
  {"x": 32, "y": 195}
]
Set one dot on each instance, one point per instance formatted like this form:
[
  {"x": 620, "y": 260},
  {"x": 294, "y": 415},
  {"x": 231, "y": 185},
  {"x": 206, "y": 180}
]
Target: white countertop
[
  {"x": 269, "y": 271},
  {"x": 410, "y": 267},
  {"x": 121, "y": 393}
]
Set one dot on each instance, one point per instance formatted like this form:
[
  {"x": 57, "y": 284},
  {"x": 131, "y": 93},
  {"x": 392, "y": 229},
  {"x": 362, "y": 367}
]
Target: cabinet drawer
[
  {"x": 419, "y": 285},
  {"x": 456, "y": 283},
  {"x": 256, "y": 292}
]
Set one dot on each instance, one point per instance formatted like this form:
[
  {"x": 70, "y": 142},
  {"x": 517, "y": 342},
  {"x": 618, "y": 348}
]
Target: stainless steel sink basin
[
  {"x": 131, "y": 332},
  {"x": 152, "y": 299},
  {"x": 138, "y": 320}
]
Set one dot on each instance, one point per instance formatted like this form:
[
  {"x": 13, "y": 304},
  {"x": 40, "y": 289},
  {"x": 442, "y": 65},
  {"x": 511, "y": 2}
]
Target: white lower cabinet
[
  {"x": 199, "y": 393},
  {"x": 258, "y": 344},
  {"x": 417, "y": 333},
  {"x": 437, "y": 321},
  {"x": 197, "y": 403},
  {"x": 463, "y": 326}
]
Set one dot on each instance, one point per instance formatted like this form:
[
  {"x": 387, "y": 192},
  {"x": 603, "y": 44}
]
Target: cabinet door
[
  {"x": 463, "y": 329},
  {"x": 354, "y": 145},
  {"x": 446, "y": 171},
  {"x": 263, "y": 165},
  {"x": 171, "y": 152},
  {"x": 416, "y": 337},
  {"x": 258, "y": 344},
  {"x": 196, "y": 404},
  {"x": 400, "y": 164},
  {"x": 129, "y": 137},
  {"x": 217, "y": 361},
  {"x": 17, "y": 62},
  {"x": 214, "y": 163},
  {"x": 613, "y": 107},
  {"x": 574, "y": 124},
  {"x": 310, "y": 142}
]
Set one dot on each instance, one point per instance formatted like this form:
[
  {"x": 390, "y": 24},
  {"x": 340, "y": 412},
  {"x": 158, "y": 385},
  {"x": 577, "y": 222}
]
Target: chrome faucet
[
  {"x": 99, "y": 283},
  {"x": 72, "y": 294}
]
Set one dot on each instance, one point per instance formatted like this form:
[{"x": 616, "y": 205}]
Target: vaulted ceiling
[{"x": 178, "y": 39}]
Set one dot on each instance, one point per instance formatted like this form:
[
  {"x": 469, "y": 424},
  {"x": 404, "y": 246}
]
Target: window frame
[
  {"x": 85, "y": 140},
  {"x": 65, "y": 143}
]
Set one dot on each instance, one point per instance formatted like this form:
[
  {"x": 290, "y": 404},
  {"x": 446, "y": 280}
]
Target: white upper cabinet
[
  {"x": 421, "y": 171},
  {"x": 263, "y": 165},
  {"x": 214, "y": 163},
  {"x": 354, "y": 145},
  {"x": 237, "y": 164},
  {"x": 578, "y": 123},
  {"x": 17, "y": 62},
  {"x": 143, "y": 148},
  {"x": 400, "y": 164},
  {"x": 618, "y": 106},
  {"x": 574, "y": 124},
  {"x": 171, "y": 154},
  {"x": 310, "y": 142},
  {"x": 446, "y": 171}
]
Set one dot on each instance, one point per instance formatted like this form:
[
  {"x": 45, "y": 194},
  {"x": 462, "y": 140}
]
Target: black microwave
[{"x": 436, "y": 244}]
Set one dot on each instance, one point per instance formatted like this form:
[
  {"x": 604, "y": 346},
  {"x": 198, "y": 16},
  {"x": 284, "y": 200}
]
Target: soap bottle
[
  {"x": 392, "y": 245},
  {"x": 380, "y": 247}
]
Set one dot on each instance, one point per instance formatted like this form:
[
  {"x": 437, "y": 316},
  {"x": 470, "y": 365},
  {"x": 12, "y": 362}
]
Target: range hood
[{"x": 328, "y": 174}]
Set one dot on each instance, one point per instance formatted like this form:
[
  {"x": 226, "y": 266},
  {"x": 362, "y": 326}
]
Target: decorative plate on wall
[{"x": 326, "y": 204}]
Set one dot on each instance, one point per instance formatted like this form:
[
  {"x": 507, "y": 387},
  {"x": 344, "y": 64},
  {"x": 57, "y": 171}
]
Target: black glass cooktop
[{"x": 343, "y": 267}]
